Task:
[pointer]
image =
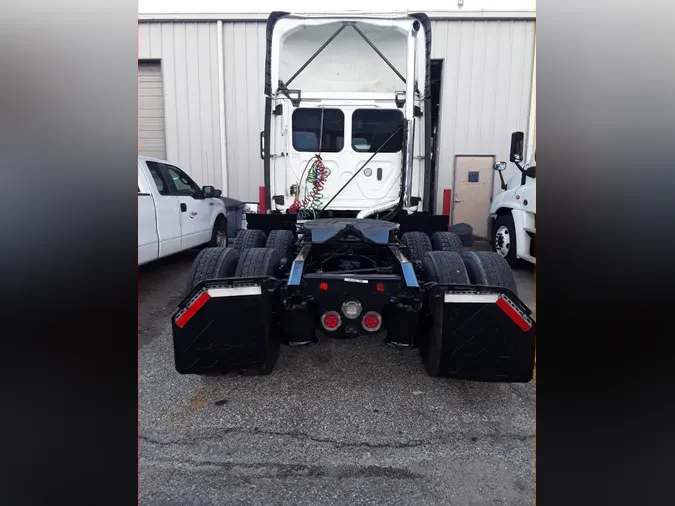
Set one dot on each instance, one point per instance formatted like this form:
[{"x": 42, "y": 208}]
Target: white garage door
[{"x": 151, "y": 138}]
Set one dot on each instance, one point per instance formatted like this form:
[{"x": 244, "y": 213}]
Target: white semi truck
[
  {"x": 345, "y": 243},
  {"x": 513, "y": 213}
]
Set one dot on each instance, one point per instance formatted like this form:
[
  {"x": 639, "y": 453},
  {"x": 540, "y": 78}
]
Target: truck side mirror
[
  {"x": 209, "y": 191},
  {"x": 517, "y": 141},
  {"x": 501, "y": 167}
]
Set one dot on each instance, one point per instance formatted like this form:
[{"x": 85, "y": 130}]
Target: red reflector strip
[
  {"x": 192, "y": 309},
  {"x": 514, "y": 315}
]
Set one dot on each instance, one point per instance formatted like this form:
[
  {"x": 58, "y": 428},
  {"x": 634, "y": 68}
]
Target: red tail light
[
  {"x": 330, "y": 320},
  {"x": 372, "y": 321}
]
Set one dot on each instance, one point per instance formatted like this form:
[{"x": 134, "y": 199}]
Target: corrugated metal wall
[
  {"x": 487, "y": 76},
  {"x": 188, "y": 54},
  {"x": 486, "y": 85},
  {"x": 244, "y": 106}
]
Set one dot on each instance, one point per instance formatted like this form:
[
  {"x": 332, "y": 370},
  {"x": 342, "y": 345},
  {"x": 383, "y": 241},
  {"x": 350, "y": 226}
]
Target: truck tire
[
  {"x": 446, "y": 241},
  {"x": 417, "y": 245},
  {"x": 219, "y": 233},
  {"x": 282, "y": 242},
  {"x": 212, "y": 263},
  {"x": 504, "y": 239},
  {"x": 490, "y": 269},
  {"x": 445, "y": 267},
  {"x": 257, "y": 262},
  {"x": 249, "y": 239}
]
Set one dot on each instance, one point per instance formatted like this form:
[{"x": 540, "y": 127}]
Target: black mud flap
[
  {"x": 227, "y": 325},
  {"x": 478, "y": 333}
]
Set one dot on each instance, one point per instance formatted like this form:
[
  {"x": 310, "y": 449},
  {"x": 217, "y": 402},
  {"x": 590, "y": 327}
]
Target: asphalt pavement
[{"x": 343, "y": 422}]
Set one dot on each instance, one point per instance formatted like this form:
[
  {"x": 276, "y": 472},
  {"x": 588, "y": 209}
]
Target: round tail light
[
  {"x": 372, "y": 321},
  {"x": 330, "y": 320},
  {"x": 351, "y": 309}
]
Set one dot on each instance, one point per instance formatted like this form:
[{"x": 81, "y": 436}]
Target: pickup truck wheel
[
  {"x": 257, "y": 262},
  {"x": 446, "y": 241},
  {"x": 417, "y": 245},
  {"x": 504, "y": 239},
  {"x": 219, "y": 234},
  {"x": 490, "y": 269},
  {"x": 249, "y": 239},
  {"x": 212, "y": 263},
  {"x": 282, "y": 242}
]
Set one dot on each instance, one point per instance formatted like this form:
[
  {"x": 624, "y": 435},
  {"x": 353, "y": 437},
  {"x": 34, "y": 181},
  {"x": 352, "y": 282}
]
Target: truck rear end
[{"x": 347, "y": 246}]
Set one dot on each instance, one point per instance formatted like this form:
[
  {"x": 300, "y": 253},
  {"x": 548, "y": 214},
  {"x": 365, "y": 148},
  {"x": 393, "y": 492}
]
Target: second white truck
[
  {"x": 174, "y": 214},
  {"x": 513, "y": 213}
]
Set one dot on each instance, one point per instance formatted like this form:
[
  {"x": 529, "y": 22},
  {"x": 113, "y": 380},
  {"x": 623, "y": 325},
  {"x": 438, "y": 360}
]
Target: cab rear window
[
  {"x": 372, "y": 127},
  {"x": 318, "y": 130}
]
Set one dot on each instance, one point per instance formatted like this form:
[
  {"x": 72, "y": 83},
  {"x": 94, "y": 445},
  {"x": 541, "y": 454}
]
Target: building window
[
  {"x": 308, "y": 126},
  {"x": 372, "y": 127}
]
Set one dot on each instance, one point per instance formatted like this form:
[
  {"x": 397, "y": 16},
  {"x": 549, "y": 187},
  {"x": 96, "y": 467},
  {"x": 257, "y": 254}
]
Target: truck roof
[{"x": 151, "y": 159}]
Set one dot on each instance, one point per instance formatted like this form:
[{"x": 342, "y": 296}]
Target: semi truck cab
[
  {"x": 513, "y": 212},
  {"x": 345, "y": 123}
]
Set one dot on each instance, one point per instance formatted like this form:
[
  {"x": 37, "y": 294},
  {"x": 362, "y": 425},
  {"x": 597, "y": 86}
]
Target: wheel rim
[
  {"x": 221, "y": 238},
  {"x": 503, "y": 241}
]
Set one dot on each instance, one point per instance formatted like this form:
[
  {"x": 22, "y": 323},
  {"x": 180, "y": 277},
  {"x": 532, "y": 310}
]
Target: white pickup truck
[{"x": 174, "y": 214}]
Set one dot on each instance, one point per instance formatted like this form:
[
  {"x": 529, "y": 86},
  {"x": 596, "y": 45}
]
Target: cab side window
[
  {"x": 181, "y": 182},
  {"x": 158, "y": 178}
]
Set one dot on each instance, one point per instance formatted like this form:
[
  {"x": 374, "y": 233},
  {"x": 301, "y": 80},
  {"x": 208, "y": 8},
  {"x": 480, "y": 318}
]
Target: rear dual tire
[
  {"x": 418, "y": 244},
  {"x": 212, "y": 263},
  {"x": 249, "y": 238},
  {"x": 220, "y": 263},
  {"x": 484, "y": 268},
  {"x": 281, "y": 241}
]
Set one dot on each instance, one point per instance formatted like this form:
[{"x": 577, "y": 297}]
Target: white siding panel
[
  {"x": 244, "y": 54},
  {"x": 155, "y": 37},
  {"x": 188, "y": 54},
  {"x": 487, "y": 77},
  {"x": 215, "y": 156},
  {"x": 169, "y": 72}
]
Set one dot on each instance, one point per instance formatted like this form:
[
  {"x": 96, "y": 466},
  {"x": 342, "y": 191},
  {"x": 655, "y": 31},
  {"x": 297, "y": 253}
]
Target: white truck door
[
  {"x": 167, "y": 209},
  {"x": 196, "y": 222},
  {"x": 373, "y": 129},
  {"x": 148, "y": 240}
]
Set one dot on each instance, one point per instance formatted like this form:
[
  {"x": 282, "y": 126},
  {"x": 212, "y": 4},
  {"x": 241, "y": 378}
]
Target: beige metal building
[{"x": 201, "y": 103}]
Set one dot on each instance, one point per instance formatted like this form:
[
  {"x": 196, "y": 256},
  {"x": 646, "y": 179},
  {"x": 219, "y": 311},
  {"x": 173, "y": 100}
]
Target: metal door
[
  {"x": 151, "y": 136},
  {"x": 473, "y": 192}
]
